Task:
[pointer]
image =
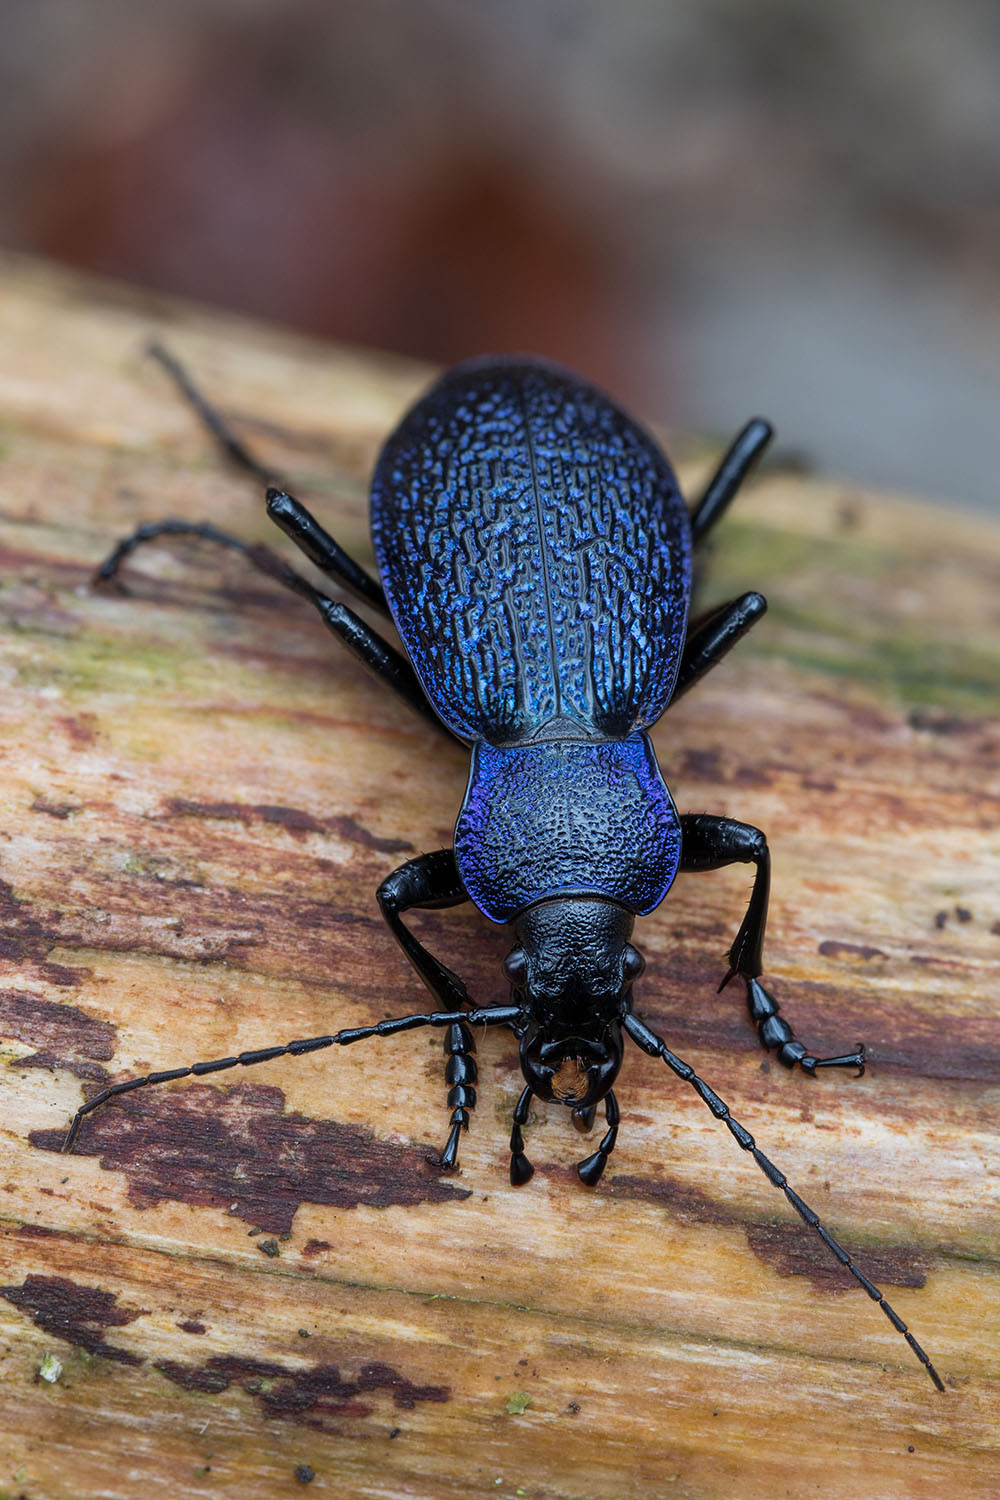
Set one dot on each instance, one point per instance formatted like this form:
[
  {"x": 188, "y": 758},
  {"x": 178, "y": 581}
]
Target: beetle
[{"x": 535, "y": 556}]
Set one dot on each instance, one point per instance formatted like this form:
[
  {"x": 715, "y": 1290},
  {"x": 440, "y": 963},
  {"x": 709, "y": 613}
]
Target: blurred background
[{"x": 713, "y": 207}]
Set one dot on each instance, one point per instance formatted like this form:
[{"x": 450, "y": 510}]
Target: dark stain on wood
[
  {"x": 293, "y": 819},
  {"x": 64, "y": 1037},
  {"x": 317, "y": 1397},
  {"x": 790, "y": 1248},
  {"x": 832, "y": 948},
  {"x": 60, "y": 810},
  {"x": 22, "y": 932},
  {"x": 77, "y": 1314},
  {"x": 237, "y": 1148}
]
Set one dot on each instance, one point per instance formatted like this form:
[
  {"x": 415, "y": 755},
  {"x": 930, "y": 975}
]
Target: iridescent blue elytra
[{"x": 536, "y": 556}]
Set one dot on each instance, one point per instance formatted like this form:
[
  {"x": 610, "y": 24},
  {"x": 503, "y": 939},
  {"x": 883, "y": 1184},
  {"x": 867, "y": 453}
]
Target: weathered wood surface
[{"x": 199, "y": 796}]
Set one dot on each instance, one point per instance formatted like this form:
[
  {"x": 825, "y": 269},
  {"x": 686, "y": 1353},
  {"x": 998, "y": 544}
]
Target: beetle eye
[
  {"x": 515, "y": 967},
  {"x": 633, "y": 962}
]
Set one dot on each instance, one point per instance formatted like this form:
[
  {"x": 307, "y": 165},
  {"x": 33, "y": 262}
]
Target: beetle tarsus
[
  {"x": 591, "y": 1169},
  {"x": 521, "y": 1170},
  {"x": 449, "y": 1156}
]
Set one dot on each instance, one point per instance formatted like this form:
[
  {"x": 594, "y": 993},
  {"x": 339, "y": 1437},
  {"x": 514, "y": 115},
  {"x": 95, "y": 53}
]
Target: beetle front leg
[
  {"x": 428, "y": 882},
  {"x": 708, "y": 843}
]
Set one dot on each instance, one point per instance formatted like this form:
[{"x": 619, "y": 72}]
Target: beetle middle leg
[
  {"x": 708, "y": 843},
  {"x": 713, "y": 636},
  {"x": 432, "y": 882},
  {"x": 739, "y": 458}
]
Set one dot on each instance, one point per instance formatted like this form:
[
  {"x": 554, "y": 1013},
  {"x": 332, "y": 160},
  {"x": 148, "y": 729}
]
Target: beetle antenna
[
  {"x": 235, "y": 450},
  {"x": 655, "y": 1046},
  {"x": 487, "y": 1015}
]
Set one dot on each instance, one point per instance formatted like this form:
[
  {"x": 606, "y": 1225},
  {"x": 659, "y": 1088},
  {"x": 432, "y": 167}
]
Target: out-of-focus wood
[{"x": 199, "y": 795}]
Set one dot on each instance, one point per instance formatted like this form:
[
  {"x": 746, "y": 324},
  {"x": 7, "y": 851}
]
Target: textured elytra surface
[
  {"x": 561, "y": 818},
  {"x": 536, "y": 553}
]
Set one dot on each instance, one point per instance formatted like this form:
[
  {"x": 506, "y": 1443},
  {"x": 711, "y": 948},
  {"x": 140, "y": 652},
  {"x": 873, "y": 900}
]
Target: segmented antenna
[{"x": 657, "y": 1047}]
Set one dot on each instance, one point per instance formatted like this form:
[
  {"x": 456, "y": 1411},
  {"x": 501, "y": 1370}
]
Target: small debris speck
[
  {"x": 304, "y": 1474},
  {"x": 963, "y": 913},
  {"x": 517, "y": 1403},
  {"x": 50, "y": 1368},
  {"x": 269, "y": 1247},
  {"x": 574, "y": 1407},
  {"x": 940, "y": 918}
]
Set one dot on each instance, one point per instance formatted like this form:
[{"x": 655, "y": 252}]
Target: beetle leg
[
  {"x": 655, "y": 1046},
  {"x": 711, "y": 638},
  {"x": 488, "y": 1015},
  {"x": 428, "y": 882},
  {"x": 521, "y": 1170},
  {"x": 739, "y": 458},
  {"x": 708, "y": 843},
  {"x": 591, "y": 1169},
  {"x": 319, "y": 546}
]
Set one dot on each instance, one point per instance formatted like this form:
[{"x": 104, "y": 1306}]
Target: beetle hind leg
[{"x": 708, "y": 843}]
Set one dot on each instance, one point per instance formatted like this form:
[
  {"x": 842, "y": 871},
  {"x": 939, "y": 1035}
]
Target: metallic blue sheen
[
  {"x": 536, "y": 556},
  {"x": 566, "y": 818}
]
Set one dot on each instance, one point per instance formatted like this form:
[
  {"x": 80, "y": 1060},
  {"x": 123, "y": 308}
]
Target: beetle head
[{"x": 571, "y": 972}]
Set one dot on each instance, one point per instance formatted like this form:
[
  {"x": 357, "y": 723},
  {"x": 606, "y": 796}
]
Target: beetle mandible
[{"x": 535, "y": 556}]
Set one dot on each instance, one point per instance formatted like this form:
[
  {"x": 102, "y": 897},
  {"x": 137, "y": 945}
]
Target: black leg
[
  {"x": 708, "y": 843},
  {"x": 321, "y": 549},
  {"x": 743, "y": 452},
  {"x": 521, "y": 1170},
  {"x": 655, "y": 1046},
  {"x": 382, "y": 659},
  {"x": 489, "y": 1015},
  {"x": 287, "y": 513},
  {"x": 591, "y": 1169},
  {"x": 432, "y": 882},
  {"x": 711, "y": 638}
]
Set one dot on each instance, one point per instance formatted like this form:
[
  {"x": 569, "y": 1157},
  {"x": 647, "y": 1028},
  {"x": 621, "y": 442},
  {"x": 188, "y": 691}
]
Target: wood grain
[{"x": 199, "y": 796}]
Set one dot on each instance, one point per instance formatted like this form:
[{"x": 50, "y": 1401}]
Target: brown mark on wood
[
  {"x": 22, "y": 932},
  {"x": 78, "y": 1314},
  {"x": 293, "y": 819},
  {"x": 316, "y": 1397},
  {"x": 832, "y": 948},
  {"x": 81, "y": 729},
  {"x": 61, "y": 810},
  {"x": 790, "y": 1248},
  {"x": 236, "y": 1148},
  {"x": 64, "y": 1036}
]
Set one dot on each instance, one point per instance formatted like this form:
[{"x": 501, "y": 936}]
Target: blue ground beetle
[{"x": 535, "y": 556}]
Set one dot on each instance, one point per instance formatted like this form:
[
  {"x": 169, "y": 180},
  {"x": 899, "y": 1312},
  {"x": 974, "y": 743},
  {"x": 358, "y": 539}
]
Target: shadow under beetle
[{"x": 535, "y": 556}]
